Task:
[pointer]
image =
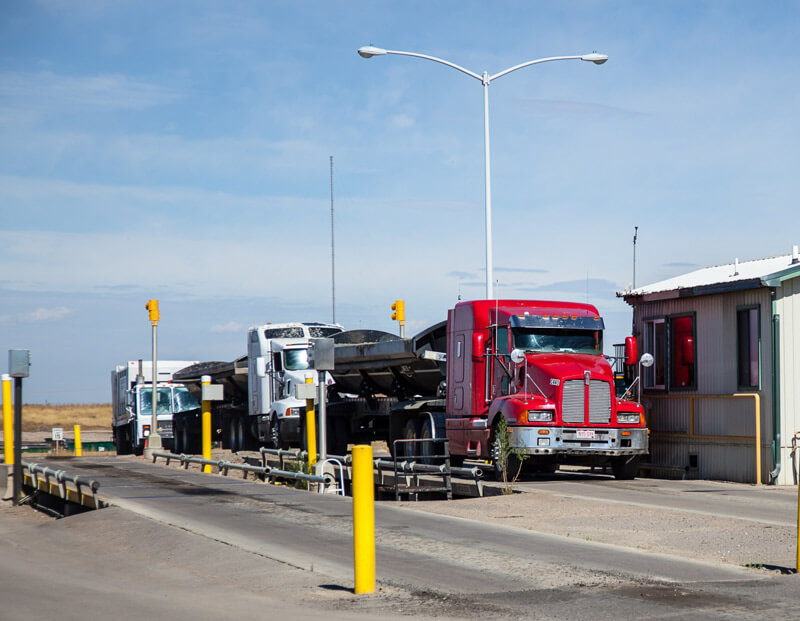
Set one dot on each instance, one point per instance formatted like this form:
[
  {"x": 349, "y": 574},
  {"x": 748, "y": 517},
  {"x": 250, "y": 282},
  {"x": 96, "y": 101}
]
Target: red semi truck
[{"x": 538, "y": 364}]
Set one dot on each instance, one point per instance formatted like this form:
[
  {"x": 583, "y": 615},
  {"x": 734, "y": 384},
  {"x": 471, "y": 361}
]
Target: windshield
[
  {"x": 163, "y": 405},
  {"x": 573, "y": 341},
  {"x": 317, "y": 332},
  {"x": 184, "y": 400},
  {"x": 295, "y": 359}
]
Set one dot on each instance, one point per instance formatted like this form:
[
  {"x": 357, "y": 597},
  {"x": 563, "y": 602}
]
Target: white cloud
[
  {"x": 38, "y": 315},
  {"x": 402, "y": 121},
  {"x": 46, "y": 89}
]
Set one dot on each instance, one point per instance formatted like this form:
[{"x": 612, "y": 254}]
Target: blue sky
[{"x": 180, "y": 151}]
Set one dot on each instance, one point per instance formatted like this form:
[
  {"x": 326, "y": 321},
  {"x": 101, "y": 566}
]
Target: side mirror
[
  {"x": 647, "y": 360},
  {"x": 477, "y": 347},
  {"x": 517, "y": 356},
  {"x": 631, "y": 351},
  {"x": 261, "y": 366}
]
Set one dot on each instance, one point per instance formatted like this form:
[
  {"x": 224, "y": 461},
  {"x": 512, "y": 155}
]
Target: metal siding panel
[{"x": 788, "y": 307}]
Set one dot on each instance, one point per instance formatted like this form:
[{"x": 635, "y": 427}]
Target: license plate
[{"x": 585, "y": 434}]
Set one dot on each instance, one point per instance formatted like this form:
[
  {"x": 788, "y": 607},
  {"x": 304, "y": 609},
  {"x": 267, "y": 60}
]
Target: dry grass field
[{"x": 44, "y": 417}]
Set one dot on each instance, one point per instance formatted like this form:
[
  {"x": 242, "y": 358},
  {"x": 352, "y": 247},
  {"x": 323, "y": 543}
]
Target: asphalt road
[{"x": 427, "y": 564}]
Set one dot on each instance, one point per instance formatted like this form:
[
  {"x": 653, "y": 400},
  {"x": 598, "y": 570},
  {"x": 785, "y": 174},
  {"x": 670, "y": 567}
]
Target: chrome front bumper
[{"x": 565, "y": 441}]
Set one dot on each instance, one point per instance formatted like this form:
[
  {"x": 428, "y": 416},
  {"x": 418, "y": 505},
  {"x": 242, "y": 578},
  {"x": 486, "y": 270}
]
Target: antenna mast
[
  {"x": 635, "y": 235},
  {"x": 333, "y": 264}
]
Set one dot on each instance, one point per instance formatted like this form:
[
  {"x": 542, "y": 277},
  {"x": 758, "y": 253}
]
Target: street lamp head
[
  {"x": 368, "y": 51},
  {"x": 594, "y": 57}
]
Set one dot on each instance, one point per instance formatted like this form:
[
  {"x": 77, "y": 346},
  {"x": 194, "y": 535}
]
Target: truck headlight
[
  {"x": 626, "y": 418},
  {"x": 540, "y": 416}
]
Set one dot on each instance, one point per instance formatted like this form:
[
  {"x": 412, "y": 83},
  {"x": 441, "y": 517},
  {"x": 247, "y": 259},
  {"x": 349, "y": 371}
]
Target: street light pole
[{"x": 369, "y": 51}]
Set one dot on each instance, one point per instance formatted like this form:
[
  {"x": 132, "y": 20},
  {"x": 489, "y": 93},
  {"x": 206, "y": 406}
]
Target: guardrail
[
  {"x": 62, "y": 477},
  {"x": 223, "y": 467},
  {"x": 405, "y": 466}
]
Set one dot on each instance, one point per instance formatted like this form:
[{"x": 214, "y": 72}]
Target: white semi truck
[
  {"x": 259, "y": 405},
  {"x": 132, "y": 402}
]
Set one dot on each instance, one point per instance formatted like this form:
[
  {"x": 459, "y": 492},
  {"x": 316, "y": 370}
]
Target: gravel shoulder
[{"x": 685, "y": 534}]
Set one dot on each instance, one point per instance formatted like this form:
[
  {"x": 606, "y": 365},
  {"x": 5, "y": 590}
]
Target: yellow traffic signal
[
  {"x": 399, "y": 308},
  {"x": 152, "y": 306}
]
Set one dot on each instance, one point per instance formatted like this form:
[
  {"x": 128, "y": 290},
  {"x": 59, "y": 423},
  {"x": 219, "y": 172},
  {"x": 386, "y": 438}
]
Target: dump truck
[
  {"x": 132, "y": 402},
  {"x": 259, "y": 405}
]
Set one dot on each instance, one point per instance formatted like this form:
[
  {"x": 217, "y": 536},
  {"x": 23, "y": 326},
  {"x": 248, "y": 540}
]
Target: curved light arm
[
  {"x": 370, "y": 51},
  {"x": 532, "y": 62}
]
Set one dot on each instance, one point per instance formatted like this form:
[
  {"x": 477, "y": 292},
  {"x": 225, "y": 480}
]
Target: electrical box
[
  {"x": 305, "y": 391},
  {"x": 19, "y": 362},
  {"x": 212, "y": 392},
  {"x": 322, "y": 354}
]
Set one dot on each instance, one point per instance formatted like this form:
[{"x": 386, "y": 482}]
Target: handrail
[
  {"x": 693, "y": 436},
  {"x": 224, "y": 466},
  {"x": 62, "y": 477}
]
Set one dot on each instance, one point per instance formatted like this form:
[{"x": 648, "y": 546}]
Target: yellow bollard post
[
  {"x": 8, "y": 421},
  {"x": 363, "y": 519},
  {"x": 206, "y": 423},
  {"x": 78, "y": 444},
  {"x": 311, "y": 428}
]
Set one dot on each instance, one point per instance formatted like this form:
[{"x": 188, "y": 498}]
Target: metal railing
[
  {"x": 265, "y": 472},
  {"x": 62, "y": 477}
]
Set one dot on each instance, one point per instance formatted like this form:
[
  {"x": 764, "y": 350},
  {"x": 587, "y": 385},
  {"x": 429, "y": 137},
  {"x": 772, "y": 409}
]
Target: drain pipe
[{"x": 776, "y": 390}]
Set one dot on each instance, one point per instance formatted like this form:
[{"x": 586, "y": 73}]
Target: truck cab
[
  {"x": 540, "y": 366},
  {"x": 279, "y": 359},
  {"x": 132, "y": 402}
]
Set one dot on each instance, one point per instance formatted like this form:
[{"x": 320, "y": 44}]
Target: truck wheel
[
  {"x": 625, "y": 468},
  {"x": 177, "y": 437},
  {"x": 244, "y": 434},
  {"x": 337, "y": 436},
  {"x": 235, "y": 443},
  {"x": 410, "y": 432},
  {"x": 187, "y": 446},
  {"x": 275, "y": 432},
  {"x": 120, "y": 441},
  {"x": 512, "y": 465},
  {"x": 426, "y": 448}
]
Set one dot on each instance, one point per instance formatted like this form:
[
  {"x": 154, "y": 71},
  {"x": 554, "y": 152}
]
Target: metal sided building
[{"x": 723, "y": 395}]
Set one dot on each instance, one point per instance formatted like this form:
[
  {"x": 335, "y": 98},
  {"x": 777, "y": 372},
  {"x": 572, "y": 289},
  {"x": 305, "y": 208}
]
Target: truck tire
[
  {"x": 337, "y": 436},
  {"x": 121, "y": 440},
  {"x": 410, "y": 432},
  {"x": 275, "y": 432},
  {"x": 235, "y": 442},
  {"x": 427, "y": 449},
  {"x": 625, "y": 468},
  {"x": 513, "y": 465},
  {"x": 177, "y": 436}
]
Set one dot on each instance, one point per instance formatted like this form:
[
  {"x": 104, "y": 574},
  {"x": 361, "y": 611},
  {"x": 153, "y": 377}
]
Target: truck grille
[{"x": 573, "y": 404}]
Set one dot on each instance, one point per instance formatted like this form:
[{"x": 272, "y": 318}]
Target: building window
[
  {"x": 671, "y": 342},
  {"x": 682, "y": 368},
  {"x": 748, "y": 346},
  {"x": 655, "y": 343}
]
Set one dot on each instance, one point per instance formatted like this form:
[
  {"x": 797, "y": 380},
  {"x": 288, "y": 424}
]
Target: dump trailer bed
[
  {"x": 232, "y": 375},
  {"x": 371, "y": 362}
]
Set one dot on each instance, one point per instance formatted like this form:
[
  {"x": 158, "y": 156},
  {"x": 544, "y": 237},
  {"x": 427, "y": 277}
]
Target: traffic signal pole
[
  {"x": 154, "y": 441},
  {"x": 399, "y": 315}
]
